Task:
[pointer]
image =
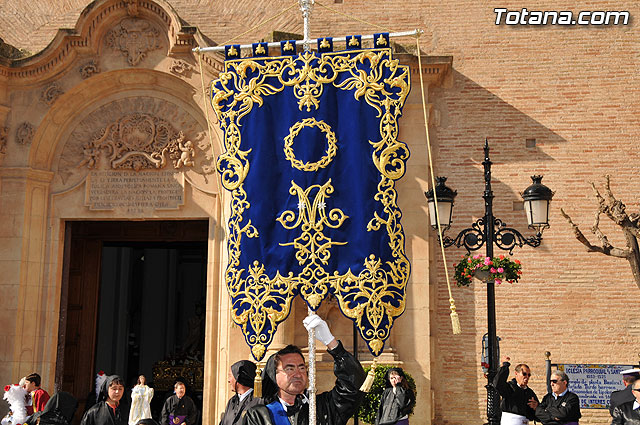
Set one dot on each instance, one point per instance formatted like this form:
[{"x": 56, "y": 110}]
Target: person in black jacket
[
  {"x": 284, "y": 381},
  {"x": 560, "y": 406},
  {"x": 179, "y": 409},
  {"x": 241, "y": 378},
  {"x": 59, "y": 410},
  {"x": 519, "y": 402},
  {"x": 396, "y": 400},
  {"x": 628, "y": 413},
  {"x": 108, "y": 410},
  {"x": 629, "y": 376}
]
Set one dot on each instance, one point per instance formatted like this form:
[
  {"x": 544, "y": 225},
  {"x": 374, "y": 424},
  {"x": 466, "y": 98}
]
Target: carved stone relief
[
  {"x": 180, "y": 67},
  {"x": 88, "y": 69},
  {"x": 3, "y": 140},
  {"x": 134, "y": 38},
  {"x": 132, "y": 7},
  {"x": 117, "y": 136},
  {"x": 24, "y": 133},
  {"x": 139, "y": 141},
  {"x": 51, "y": 93}
]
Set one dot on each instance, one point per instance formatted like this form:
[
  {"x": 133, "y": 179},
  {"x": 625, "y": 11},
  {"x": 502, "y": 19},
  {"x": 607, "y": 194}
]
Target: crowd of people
[
  {"x": 283, "y": 401},
  {"x": 519, "y": 403},
  {"x": 284, "y": 398}
]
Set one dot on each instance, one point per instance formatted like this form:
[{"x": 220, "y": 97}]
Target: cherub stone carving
[{"x": 187, "y": 155}]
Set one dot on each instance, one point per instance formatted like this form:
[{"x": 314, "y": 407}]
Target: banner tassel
[
  {"x": 257, "y": 384},
  {"x": 371, "y": 376},
  {"x": 455, "y": 320}
]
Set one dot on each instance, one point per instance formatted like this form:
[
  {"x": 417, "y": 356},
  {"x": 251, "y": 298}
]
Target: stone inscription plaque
[{"x": 134, "y": 192}]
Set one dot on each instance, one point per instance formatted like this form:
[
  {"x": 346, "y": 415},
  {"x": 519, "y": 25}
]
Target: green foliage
[
  {"x": 369, "y": 407},
  {"x": 497, "y": 269}
]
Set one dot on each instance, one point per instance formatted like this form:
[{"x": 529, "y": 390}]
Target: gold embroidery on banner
[
  {"x": 313, "y": 248},
  {"x": 381, "y": 41},
  {"x": 375, "y": 296},
  {"x": 232, "y": 52},
  {"x": 353, "y": 42},
  {"x": 260, "y": 49},
  {"x": 295, "y": 130},
  {"x": 325, "y": 43},
  {"x": 288, "y": 46}
]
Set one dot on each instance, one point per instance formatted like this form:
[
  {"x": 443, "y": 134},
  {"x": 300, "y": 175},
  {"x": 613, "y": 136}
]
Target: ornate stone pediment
[
  {"x": 134, "y": 38},
  {"x": 117, "y": 136},
  {"x": 139, "y": 141}
]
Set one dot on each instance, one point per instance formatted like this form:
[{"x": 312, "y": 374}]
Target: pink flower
[
  {"x": 500, "y": 270},
  {"x": 487, "y": 261},
  {"x": 498, "y": 281},
  {"x": 492, "y": 270},
  {"x": 477, "y": 256}
]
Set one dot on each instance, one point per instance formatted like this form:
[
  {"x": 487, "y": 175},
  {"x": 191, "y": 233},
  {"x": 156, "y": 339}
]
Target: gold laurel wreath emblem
[{"x": 325, "y": 159}]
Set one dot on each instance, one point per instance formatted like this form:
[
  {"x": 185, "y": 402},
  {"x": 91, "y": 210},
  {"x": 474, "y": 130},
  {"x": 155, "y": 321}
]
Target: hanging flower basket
[{"x": 497, "y": 269}]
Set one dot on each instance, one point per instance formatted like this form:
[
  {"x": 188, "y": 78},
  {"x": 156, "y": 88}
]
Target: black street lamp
[{"x": 487, "y": 231}]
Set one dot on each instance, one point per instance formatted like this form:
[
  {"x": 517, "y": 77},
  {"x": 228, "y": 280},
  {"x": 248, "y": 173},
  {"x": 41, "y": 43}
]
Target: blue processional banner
[{"x": 311, "y": 159}]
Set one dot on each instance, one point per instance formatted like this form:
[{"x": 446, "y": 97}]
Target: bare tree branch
[
  {"x": 629, "y": 224},
  {"x": 607, "y": 249}
]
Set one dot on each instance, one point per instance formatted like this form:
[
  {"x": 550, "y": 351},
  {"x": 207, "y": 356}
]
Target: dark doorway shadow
[{"x": 133, "y": 304}]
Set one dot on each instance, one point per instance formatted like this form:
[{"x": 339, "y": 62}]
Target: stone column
[{"x": 29, "y": 302}]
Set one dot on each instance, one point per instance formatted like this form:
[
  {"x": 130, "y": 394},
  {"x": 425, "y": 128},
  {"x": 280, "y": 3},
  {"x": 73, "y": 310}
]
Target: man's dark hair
[
  {"x": 520, "y": 366},
  {"x": 630, "y": 379},
  {"x": 116, "y": 381},
  {"x": 289, "y": 349},
  {"x": 35, "y": 378}
]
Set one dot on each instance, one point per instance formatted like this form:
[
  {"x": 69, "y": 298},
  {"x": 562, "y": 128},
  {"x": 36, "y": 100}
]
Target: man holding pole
[{"x": 285, "y": 381}]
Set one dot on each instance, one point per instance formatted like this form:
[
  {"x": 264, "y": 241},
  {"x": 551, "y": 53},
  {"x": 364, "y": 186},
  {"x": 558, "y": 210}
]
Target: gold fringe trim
[
  {"x": 371, "y": 376},
  {"x": 257, "y": 383}
]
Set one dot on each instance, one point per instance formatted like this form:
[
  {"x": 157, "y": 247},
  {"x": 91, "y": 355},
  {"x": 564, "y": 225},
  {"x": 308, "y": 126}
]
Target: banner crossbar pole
[{"x": 315, "y": 40}]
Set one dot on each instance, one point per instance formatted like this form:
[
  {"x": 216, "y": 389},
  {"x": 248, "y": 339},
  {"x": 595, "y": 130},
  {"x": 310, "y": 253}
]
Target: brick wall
[{"x": 573, "y": 89}]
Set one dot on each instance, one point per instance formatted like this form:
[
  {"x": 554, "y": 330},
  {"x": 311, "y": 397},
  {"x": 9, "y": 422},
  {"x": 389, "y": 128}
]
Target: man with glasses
[
  {"x": 629, "y": 376},
  {"x": 560, "y": 406},
  {"x": 519, "y": 402},
  {"x": 628, "y": 413},
  {"x": 284, "y": 383}
]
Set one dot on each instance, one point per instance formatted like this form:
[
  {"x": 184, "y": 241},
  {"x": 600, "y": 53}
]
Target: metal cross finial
[{"x": 306, "y": 6}]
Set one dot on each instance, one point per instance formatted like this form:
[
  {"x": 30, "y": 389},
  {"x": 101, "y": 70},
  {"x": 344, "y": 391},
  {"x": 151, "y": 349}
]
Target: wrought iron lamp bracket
[{"x": 505, "y": 238}]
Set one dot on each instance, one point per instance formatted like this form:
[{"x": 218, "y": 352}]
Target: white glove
[{"x": 323, "y": 334}]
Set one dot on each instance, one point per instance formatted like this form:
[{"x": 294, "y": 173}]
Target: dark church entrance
[{"x": 133, "y": 303}]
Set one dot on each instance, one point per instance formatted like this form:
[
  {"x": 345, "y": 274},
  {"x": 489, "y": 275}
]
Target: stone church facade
[{"x": 104, "y": 137}]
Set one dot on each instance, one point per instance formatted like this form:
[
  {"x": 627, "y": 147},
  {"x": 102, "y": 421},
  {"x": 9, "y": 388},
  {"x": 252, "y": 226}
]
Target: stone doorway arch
[{"x": 136, "y": 125}]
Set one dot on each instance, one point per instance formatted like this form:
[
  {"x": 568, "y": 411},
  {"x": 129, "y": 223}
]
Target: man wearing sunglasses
[
  {"x": 519, "y": 402},
  {"x": 560, "y": 406},
  {"x": 628, "y": 413}
]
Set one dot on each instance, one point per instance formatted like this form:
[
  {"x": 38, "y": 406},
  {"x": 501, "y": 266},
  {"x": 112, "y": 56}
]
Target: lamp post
[{"x": 487, "y": 231}]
